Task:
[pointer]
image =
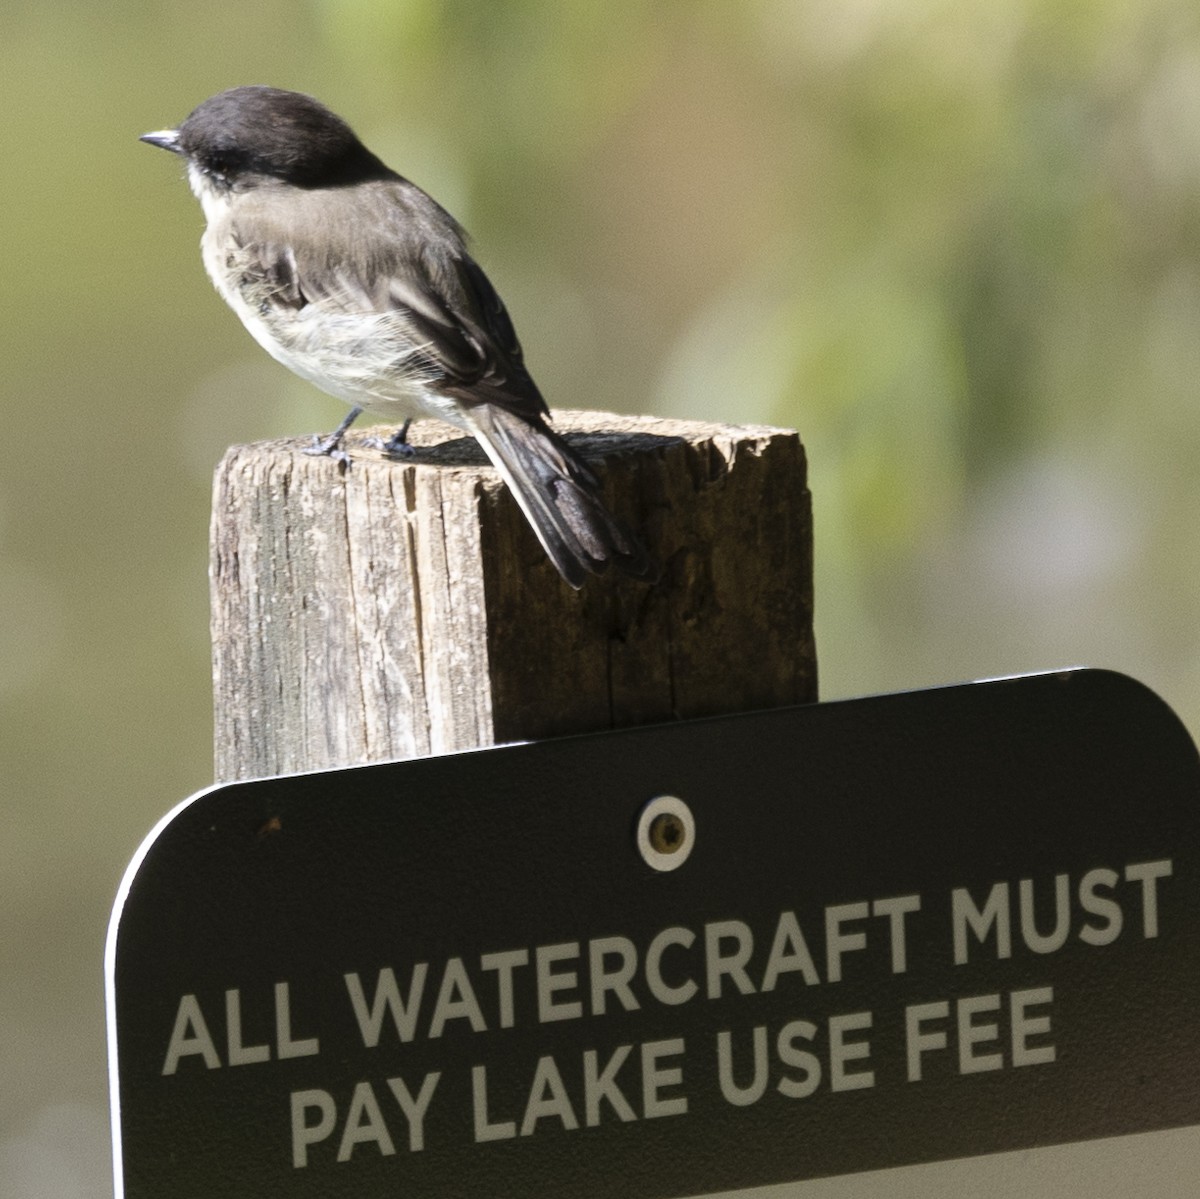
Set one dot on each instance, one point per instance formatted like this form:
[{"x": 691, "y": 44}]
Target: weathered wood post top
[{"x": 404, "y": 607}]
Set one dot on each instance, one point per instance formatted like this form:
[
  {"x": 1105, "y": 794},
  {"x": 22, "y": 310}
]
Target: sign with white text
[{"x": 910, "y": 928}]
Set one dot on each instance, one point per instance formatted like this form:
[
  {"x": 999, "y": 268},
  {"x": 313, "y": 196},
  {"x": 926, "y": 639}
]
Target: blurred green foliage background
[{"x": 955, "y": 243}]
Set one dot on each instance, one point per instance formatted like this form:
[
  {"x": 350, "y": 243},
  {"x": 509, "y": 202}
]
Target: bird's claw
[
  {"x": 329, "y": 447},
  {"x": 391, "y": 447},
  {"x": 397, "y": 443}
]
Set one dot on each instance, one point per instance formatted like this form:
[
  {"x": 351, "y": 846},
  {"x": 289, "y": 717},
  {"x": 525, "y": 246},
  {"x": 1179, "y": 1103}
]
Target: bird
[{"x": 361, "y": 283}]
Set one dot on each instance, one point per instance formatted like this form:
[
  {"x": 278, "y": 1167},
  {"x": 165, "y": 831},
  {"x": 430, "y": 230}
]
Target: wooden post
[{"x": 402, "y": 608}]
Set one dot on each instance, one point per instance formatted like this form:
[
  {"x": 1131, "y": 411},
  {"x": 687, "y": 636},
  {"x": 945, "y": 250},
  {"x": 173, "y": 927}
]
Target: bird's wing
[{"x": 396, "y": 253}]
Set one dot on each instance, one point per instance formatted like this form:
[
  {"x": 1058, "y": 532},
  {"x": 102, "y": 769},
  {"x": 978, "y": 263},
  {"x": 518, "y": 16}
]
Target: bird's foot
[
  {"x": 331, "y": 446},
  {"x": 396, "y": 444}
]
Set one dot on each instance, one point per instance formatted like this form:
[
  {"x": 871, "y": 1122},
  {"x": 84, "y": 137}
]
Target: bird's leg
[
  {"x": 396, "y": 444},
  {"x": 331, "y": 446}
]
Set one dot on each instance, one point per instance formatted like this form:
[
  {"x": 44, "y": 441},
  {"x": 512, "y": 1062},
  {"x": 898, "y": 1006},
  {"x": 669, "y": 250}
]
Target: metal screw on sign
[{"x": 666, "y": 833}]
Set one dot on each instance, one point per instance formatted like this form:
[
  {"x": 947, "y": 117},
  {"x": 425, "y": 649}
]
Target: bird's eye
[{"x": 222, "y": 167}]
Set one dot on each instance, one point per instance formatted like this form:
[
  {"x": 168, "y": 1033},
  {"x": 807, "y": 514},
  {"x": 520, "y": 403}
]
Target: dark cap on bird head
[{"x": 270, "y": 133}]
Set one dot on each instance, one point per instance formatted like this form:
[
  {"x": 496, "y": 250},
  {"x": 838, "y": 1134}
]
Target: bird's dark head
[{"x": 247, "y": 136}]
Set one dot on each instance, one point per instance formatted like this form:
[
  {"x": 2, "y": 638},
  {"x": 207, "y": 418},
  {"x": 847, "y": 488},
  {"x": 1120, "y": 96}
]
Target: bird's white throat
[{"x": 213, "y": 200}]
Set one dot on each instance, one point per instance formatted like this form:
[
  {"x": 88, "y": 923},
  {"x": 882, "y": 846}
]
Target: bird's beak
[{"x": 166, "y": 139}]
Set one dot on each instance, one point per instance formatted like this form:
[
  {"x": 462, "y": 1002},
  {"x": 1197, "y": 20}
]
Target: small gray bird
[{"x": 358, "y": 281}]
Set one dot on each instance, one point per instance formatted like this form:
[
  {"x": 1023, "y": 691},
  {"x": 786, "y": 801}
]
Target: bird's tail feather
[{"x": 559, "y": 495}]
